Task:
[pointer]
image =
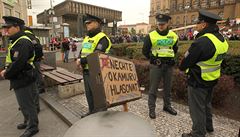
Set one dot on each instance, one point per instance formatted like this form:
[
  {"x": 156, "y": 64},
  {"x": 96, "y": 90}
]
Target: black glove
[{"x": 83, "y": 61}]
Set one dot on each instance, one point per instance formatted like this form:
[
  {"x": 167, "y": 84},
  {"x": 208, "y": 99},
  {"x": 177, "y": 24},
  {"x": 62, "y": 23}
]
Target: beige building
[
  {"x": 139, "y": 28},
  {"x": 142, "y": 28},
  {"x": 17, "y": 8},
  {"x": 179, "y": 9}
]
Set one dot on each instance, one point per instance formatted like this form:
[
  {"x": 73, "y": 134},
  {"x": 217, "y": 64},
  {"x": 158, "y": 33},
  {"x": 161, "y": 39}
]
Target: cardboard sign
[{"x": 114, "y": 80}]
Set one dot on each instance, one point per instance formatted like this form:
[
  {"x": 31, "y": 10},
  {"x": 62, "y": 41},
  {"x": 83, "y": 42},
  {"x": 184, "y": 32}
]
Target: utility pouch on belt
[{"x": 158, "y": 62}]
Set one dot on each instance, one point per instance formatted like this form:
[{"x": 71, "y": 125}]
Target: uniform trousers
[
  {"x": 156, "y": 74},
  {"x": 199, "y": 100},
  {"x": 88, "y": 90},
  {"x": 39, "y": 84},
  {"x": 25, "y": 99}
]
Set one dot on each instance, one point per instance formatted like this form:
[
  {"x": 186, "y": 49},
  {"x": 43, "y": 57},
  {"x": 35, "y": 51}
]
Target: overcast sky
[{"x": 133, "y": 11}]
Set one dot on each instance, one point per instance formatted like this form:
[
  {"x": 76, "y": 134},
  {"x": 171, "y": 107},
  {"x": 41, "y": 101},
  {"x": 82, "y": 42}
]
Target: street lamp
[
  {"x": 185, "y": 21},
  {"x": 51, "y": 12}
]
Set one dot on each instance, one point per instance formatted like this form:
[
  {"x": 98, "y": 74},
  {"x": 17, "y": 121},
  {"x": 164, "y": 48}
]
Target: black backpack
[{"x": 38, "y": 48}]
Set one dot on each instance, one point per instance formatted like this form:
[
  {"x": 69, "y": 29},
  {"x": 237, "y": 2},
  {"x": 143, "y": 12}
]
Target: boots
[
  {"x": 170, "y": 110},
  {"x": 22, "y": 125},
  {"x": 152, "y": 114}
]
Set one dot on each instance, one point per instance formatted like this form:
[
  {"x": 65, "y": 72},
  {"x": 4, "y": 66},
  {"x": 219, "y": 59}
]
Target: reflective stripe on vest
[
  {"x": 10, "y": 46},
  {"x": 90, "y": 44},
  {"x": 211, "y": 68},
  {"x": 27, "y": 31},
  {"x": 162, "y": 46}
]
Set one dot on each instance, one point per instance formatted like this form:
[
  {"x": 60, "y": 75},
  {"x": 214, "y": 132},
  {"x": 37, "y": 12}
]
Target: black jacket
[
  {"x": 19, "y": 72},
  {"x": 146, "y": 50},
  {"x": 201, "y": 49}
]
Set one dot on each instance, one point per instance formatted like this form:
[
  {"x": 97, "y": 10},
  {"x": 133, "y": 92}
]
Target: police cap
[
  {"x": 12, "y": 21},
  {"x": 205, "y": 16},
  {"x": 89, "y": 18},
  {"x": 162, "y": 19}
]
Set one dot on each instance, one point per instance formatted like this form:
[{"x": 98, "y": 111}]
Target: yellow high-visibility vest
[
  {"x": 10, "y": 46},
  {"x": 162, "y": 46},
  {"x": 211, "y": 68},
  {"x": 90, "y": 44}
]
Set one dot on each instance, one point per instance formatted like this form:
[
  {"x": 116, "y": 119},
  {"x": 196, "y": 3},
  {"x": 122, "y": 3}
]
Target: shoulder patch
[
  {"x": 34, "y": 42},
  {"x": 15, "y": 55}
]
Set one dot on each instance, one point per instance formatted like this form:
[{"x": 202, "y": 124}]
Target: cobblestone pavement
[{"x": 166, "y": 125}]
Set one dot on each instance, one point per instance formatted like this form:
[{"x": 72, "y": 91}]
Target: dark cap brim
[
  {"x": 6, "y": 25},
  {"x": 87, "y": 21},
  {"x": 162, "y": 22}
]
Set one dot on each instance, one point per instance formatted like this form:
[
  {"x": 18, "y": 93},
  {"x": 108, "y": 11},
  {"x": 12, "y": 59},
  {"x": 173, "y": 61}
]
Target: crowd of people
[{"x": 127, "y": 38}]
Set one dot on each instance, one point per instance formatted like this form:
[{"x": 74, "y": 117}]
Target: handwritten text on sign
[{"x": 120, "y": 78}]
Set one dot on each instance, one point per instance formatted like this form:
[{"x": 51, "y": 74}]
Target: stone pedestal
[
  {"x": 50, "y": 58},
  {"x": 70, "y": 90}
]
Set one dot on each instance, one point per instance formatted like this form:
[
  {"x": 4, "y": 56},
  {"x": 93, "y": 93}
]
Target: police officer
[
  {"x": 202, "y": 62},
  {"x": 160, "y": 47},
  {"x": 37, "y": 60},
  {"x": 21, "y": 73},
  {"x": 95, "y": 41}
]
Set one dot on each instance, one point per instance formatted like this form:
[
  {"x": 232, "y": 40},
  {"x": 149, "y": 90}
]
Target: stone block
[
  {"x": 66, "y": 91},
  {"x": 50, "y": 58}
]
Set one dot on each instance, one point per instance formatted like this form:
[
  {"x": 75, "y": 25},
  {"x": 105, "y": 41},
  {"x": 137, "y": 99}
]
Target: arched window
[
  {"x": 185, "y": 21},
  {"x": 177, "y": 20},
  {"x": 193, "y": 17}
]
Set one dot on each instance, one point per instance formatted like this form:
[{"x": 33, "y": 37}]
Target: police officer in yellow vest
[
  {"x": 202, "y": 62},
  {"x": 95, "y": 41},
  {"x": 160, "y": 47},
  {"x": 21, "y": 73}
]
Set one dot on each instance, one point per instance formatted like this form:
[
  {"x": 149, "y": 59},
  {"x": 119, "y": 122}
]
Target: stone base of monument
[
  {"x": 111, "y": 124},
  {"x": 70, "y": 90},
  {"x": 49, "y": 58}
]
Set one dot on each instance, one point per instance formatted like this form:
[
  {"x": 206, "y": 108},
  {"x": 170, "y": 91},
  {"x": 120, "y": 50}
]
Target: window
[
  {"x": 180, "y": 7},
  {"x": 193, "y": 17},
  {"x": 195, "y": 4},
  {"x": 230, "y": 1},
  {"x": 185, "y": 20},
  {"x": 18, "y": 14},
  {"x": 213, "y": 3},
  {"x": 177, "y": 20},
  {"x": 221, "y": 2},
  {"x": 8, "y": 11},
  {"x": 204, "y": 4}
]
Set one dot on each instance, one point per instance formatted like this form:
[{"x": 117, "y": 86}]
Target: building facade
[
  {"x": 139, "y": 28},
  {"x": 71, "y": 13},
  {"x": 183, "y": 12},
  {"x": 17, "y": 8}
]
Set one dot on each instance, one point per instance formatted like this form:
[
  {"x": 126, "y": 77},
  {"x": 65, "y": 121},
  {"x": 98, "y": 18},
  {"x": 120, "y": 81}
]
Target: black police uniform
[
  {"x": 22, "y": 75},
  {"x": 163, "y": 70},
  {"x": 101, "y": 46},
  {"x": 199, "y": 90},
  {"x": 37, "y": 60}
]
